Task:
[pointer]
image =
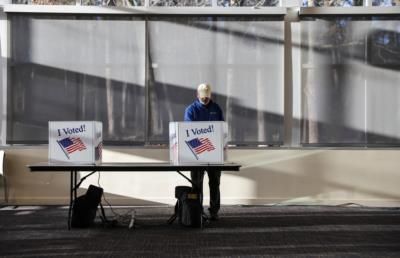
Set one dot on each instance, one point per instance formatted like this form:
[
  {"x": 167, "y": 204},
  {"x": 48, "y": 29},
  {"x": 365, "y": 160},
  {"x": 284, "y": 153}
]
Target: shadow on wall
[
  {"x": 267, "y": 176},
  {"x": 302, "y": 176},
  {"x": 28, "y": 123},
  {"x": 48, "y": 187},
  {"x": 315, "y": 176}
]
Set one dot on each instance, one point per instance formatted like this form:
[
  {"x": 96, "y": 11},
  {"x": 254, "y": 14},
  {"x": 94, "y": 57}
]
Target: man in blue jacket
[{"x": 204, "y": 109}]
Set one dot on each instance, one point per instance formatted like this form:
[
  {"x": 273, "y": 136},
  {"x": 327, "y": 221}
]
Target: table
[{"x": 118, "y": 167}]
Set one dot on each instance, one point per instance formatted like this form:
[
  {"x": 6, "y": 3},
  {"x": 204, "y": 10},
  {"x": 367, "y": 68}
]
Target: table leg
[
  {"x": 75, "y": 184},
  {"x": 70, "y": 198}
]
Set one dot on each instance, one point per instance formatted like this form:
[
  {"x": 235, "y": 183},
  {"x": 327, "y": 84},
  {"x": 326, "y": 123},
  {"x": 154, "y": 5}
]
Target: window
[
  {"x": 82, "y": 2},
  {"x": 385, "y": 3},
  {"x": 337, "y": 3},
  {"x": 180, "y": 3},
  {"x": 350, "y": 74},
  {"x": 85, "y": 67},
  {"x": 76, "y": 68},
  {"x": 237, "y": 3},
  {"x": 242, "y": 58}
]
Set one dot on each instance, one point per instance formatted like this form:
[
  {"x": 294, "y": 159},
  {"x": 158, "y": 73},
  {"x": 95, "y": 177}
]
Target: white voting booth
[
  {"x": 197, "y": 142},
  {"x": 75, "y": 142}
]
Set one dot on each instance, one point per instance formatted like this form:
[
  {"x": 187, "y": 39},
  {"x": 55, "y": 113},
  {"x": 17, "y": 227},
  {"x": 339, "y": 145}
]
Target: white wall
[{"x": 268, "y": 176}]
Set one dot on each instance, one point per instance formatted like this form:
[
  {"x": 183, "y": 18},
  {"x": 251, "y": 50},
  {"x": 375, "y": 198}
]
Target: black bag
[
  {"x": 188, "y": 207},
  {"x": 85, "y": 207}
]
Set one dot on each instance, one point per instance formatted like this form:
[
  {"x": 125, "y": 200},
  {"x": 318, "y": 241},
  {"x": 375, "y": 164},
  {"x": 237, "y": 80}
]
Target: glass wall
[
  {"x": 45, "y": 2},
  {"x": 126, "y": 3},
  {"x": 138, "y": 74},
  {"x": 96, "y": 68},
  {"x": 237, "y": 3},
  {"x": 76, "y": 68},
  {"x": 385, "y": 2},
  {"x": 193, "y": 3},
  {"x": 242, "y": 58},
  {"x": 335, "y": 3},
  {"x": 350, "y": 75},
  {"x": 159, "y": 3}
]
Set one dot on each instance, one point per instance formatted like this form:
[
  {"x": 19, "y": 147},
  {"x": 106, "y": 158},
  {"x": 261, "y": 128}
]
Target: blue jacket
[{"x": 199, "y": 112}]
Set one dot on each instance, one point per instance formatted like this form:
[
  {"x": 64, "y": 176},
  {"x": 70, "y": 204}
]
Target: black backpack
[
  {"x": 85, "y": 207},
  {"x": 188, "y": 207}
]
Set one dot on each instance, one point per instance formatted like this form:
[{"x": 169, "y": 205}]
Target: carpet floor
[{"x": 241, "y": 231}]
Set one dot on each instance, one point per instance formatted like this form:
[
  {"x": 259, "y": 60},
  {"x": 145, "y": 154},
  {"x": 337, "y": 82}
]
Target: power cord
[
  {"x": 127, "y": 219},
  {"x": 352, "y": 204}
]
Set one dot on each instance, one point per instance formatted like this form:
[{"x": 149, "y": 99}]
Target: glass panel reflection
[
  {"x": 242, "y": 58},
  {"x": 385, "y": 2},
  {"x": 180, "y": 3},
  {"x": 45, "y": 2},
  {"x": 114, "y": 2},
  {"x": 82, "y": 2},
  {"x": 350, "y": 81},
  {"x": 337, "y": 3},
  {"x": 75, "y": 68},
  {"x": 236, "y": 3}
]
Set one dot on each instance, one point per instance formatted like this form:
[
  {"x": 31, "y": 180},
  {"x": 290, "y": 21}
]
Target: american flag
[
  {"x": 200, "y": 145},
  {"x": 70, "y": 145}
]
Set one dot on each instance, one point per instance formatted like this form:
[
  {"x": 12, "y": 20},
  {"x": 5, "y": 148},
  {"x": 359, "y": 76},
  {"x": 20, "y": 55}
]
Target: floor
[{"x": 242, "y": 231}]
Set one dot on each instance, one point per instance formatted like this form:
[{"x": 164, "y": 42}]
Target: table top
[{"x": 134, "y": 166}]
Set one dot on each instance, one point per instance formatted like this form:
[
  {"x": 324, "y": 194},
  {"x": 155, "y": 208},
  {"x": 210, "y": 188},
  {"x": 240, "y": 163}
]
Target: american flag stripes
[
  {"x": 70, "y": 145},
  {"x": 200, "y": 145}
]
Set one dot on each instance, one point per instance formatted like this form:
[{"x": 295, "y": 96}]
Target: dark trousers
[{"x": 214, "y": 177}]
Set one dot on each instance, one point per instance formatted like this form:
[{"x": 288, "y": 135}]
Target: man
[{"x": 204, "y": 109}]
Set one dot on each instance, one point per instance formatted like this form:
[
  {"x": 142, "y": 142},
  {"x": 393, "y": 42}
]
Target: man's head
[{"x": 204, "y": 93}]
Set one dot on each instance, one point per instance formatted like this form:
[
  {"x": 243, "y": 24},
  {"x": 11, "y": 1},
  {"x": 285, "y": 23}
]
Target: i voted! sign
[
  {"x": 197, "y": 142},
  {"x": 75, "y": 141},
  {"x": 199, "y": 131}
]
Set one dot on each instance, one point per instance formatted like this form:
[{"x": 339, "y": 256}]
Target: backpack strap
[{"x": 103, "y": 215}]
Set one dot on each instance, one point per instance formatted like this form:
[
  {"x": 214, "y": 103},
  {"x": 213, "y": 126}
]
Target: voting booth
[
  {"x": 197, "y": 142},
  {"x": 75, "y": 142}
]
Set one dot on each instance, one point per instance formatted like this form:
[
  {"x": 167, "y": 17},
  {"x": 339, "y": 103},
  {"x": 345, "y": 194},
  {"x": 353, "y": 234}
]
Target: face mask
[{"x": 204, "y": 102}]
